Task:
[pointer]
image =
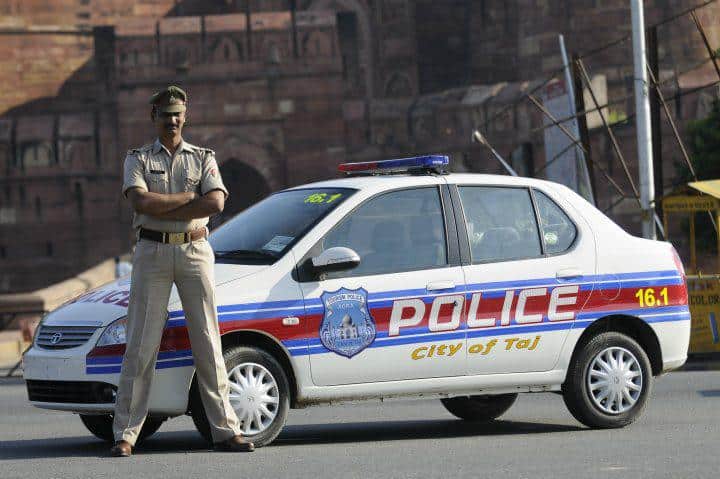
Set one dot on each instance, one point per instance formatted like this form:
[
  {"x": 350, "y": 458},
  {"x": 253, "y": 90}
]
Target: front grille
[
  {"x": 78, "y": 392},
  {"x": 63, "y": 337}
]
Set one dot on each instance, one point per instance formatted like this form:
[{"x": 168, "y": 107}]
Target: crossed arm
[{"x": 177, "y": 206}]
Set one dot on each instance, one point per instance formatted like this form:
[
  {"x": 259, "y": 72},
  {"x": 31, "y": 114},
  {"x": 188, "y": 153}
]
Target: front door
[{"x": 398, "y": 314}]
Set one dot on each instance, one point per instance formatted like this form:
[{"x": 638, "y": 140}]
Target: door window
[
  {"x": 398, "y": 231},
  {"x": 501, "y": 223}
]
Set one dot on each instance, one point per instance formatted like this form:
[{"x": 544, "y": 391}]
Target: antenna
[{"x": 478, "y": 137}]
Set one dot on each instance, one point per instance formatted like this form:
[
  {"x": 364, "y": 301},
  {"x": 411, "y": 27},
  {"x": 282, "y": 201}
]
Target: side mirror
[{"x": 338, "y": 258}]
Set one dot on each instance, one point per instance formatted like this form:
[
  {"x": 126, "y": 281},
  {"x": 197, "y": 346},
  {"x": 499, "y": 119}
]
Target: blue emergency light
[{"x": 433, "y": 163}]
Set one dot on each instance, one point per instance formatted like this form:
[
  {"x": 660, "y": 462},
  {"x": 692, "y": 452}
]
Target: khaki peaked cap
[{"x": 172, "y": 99}]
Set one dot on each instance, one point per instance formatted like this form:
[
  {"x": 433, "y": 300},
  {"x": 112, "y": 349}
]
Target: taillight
[
  {"x": 680, "y": 269},
  {"x": 678, "y": 262}
]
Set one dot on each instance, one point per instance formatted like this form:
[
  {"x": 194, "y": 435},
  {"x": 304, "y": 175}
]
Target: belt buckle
[{"x": 176, "y": 238}]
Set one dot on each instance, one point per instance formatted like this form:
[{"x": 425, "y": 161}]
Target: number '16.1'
[{"x": 647, "y": 299}]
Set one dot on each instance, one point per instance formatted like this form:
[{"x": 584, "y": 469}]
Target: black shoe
[
  {"x": 235, "y": 444},
  {"x": 121, "y": 449}
]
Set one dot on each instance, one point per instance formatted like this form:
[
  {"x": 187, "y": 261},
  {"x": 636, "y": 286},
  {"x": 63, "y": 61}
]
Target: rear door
[
  {"x": 398, "y": 315},
  {"x": 529, "y": 274}
]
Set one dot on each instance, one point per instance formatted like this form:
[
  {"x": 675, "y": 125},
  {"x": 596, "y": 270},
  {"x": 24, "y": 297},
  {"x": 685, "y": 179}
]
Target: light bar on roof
[{"x": 402, "y": 164}]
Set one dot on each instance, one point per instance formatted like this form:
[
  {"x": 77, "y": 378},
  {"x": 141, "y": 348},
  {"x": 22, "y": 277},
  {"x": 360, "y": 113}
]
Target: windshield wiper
[{"x": 245, "y": 254}]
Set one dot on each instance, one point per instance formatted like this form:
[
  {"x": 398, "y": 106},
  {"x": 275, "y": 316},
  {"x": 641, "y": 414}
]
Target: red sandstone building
[{"x": 284, "y": 90}]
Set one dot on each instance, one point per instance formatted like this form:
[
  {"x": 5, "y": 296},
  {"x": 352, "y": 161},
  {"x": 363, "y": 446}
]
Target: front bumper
[{"x": 60, "y": 380}]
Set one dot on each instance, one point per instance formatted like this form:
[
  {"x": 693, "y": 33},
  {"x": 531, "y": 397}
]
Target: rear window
[{"x": 558, "y": 230}]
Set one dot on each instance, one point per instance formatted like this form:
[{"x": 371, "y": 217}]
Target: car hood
[{"x": 105, "y": 304}]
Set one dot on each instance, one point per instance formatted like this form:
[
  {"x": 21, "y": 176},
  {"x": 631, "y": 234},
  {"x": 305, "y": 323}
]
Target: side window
[
  {"x": 501, "y": 223},
  {"x": 398, "y": 231},
  {"x": 558, "y": 231}
]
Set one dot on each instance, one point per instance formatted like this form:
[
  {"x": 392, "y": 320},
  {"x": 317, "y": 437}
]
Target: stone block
[
  {"x": 179, "y": 25},
  {"x": 226, "y": 23}
]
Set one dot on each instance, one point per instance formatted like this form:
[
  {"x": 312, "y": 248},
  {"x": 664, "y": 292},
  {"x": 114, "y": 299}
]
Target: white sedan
[{"x": 398, "y": 280}]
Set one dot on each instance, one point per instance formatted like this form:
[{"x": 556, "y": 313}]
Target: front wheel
[
  {"x": 259, "y": 394},
  {"x": 479, "y": 408},
  {"x": 102, "y": 426},
  {"x": 608, "y": 382}
]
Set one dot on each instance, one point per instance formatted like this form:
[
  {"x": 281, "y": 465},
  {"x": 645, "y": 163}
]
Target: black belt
[{"x": 172, "y": 238}]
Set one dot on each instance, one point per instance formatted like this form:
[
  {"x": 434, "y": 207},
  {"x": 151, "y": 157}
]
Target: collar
[{"x": 157, "y": 146}]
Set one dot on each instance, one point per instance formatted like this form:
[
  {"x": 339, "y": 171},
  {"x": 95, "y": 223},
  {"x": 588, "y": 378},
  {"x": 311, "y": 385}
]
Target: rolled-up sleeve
[
  {"x": 211, "y": 179},
  {"x": 134, "y": 174}
]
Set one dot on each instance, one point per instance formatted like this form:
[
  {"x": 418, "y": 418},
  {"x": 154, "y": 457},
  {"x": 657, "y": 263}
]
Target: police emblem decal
[{"x": 347, "y": 326}]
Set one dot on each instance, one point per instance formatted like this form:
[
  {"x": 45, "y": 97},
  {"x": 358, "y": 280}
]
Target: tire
[
  {"x": 479, "y": 408},
  {"x": 101, "y": 426},
  {"x": 261, "y": 365},
  {"x": 583, "y": 389}
]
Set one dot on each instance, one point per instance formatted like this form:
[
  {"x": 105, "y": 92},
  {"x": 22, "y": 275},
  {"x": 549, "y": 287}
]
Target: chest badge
[{"x": 347, "y": 326}]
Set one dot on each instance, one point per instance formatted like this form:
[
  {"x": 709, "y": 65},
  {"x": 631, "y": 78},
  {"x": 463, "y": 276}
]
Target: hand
[{"x": 191, "y": 196}]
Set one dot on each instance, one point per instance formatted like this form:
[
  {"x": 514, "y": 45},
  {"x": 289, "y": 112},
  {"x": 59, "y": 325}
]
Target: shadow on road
[
  {"x": 308, "y": 434},
  {"x": 87, "y": 446},
  {"x": 408, "y": 430},
  {"x": 710, "y": 393}
]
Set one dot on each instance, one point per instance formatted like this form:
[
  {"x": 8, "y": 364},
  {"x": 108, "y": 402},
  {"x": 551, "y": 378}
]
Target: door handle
[
  {"x": 569, "y": 273},
  {"x": 291, "y": 321},
  {"x": 439, "y": 285}
]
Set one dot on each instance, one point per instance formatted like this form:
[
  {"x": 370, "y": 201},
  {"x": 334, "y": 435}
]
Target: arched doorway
[{"x": 246, "y": 187}]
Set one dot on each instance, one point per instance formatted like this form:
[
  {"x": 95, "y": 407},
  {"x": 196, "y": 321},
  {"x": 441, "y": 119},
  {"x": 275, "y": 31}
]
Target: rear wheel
[
  {"x": 102, "y": 426},
  {"x": 479, "y": 408},
  {"x": 608, "y": 382},
  {"x": 259, "y": 393}
]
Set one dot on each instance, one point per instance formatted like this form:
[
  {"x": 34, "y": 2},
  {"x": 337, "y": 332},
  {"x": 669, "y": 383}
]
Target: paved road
[{"x": 679, "y": 437}]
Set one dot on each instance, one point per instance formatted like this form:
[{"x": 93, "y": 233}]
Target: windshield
[{"x": 265, "y": 231}]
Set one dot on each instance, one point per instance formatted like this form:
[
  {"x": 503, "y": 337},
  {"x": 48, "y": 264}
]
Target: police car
[{"x": 398, "y": 280}]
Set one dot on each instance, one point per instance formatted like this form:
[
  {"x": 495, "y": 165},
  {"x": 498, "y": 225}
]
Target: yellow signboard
[
  {"x": 677, "y": 204},
  {"x": 704, "y": 296}
]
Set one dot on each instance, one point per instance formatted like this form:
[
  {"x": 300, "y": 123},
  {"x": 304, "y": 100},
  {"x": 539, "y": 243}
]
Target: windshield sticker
[
  {"x": 278, "y": 243},
  {"x": 322, "y": 198}
]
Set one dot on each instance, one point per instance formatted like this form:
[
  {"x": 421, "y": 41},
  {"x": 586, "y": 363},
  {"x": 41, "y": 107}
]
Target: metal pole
[
  {"x": 693, "y": 254},
  {"x": 710, "y": 51},
  {"x": 545, "y": 112},
  {"x": 642, "y": 113},
  {"x": 717, "y": 233},
  {"x": 582, "y": 126},
  {"x": 656, "y": 126},
  {"x": 583, "y": 174}
]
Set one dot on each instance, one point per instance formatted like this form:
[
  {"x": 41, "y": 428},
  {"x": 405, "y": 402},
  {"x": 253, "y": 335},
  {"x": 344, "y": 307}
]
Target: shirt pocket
[
  {"x": 157, "y": 179},
  {"x": 191, "y": 181}
]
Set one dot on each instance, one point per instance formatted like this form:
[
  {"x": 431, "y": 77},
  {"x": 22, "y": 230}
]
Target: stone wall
[{"x": 285, "y": 95}]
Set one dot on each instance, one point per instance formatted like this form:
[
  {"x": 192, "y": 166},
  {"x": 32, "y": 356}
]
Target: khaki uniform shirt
[{"x": 152, "y": 168}]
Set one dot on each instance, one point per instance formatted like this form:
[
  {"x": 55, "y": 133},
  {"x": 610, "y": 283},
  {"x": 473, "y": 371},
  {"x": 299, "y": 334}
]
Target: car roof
[{"x": 381, "y": 182}]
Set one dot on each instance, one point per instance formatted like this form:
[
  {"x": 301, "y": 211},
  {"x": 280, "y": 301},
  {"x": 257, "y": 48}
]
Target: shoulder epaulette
[
  {"x": 207, "y": 154},
  {"x": 142, "y": 149}
]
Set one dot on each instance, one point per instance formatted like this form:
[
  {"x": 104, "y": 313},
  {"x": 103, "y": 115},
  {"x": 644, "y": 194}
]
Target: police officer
[{"x": 174, "y": 187}]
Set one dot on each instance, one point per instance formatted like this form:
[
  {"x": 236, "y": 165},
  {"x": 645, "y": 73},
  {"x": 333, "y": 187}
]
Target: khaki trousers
[{"x": 156, "y": 266}]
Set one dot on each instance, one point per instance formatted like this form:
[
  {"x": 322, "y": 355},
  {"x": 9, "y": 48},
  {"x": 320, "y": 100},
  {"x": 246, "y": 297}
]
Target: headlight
[{"x": 114, "y": 333}]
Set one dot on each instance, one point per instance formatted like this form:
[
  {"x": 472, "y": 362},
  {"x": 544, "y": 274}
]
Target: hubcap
[
  {"x": 615, "y": 380},
  {"x": 254, "y": 395}
]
